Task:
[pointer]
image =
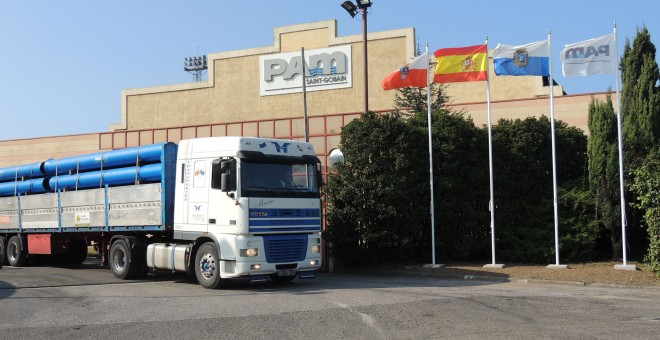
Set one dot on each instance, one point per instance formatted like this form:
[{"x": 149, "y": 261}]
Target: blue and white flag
[
  {"x": 593, "y": 56},
  {"x": 523, "y": 60}
]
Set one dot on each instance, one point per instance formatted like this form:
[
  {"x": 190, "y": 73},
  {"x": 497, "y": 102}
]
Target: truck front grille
[{"x": 285, "y": 248}]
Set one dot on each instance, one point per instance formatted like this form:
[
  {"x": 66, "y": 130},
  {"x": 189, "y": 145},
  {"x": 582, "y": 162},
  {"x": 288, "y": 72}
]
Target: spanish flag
[
  {"x": 414, "y": 74},
  {"x": 460, "y": 64}
]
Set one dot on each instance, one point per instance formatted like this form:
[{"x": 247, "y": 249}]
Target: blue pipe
[
  {"x": 13, "y": 173},
  {"x": 104, "y": 160},
  {"x": 32, "y": 186},
  {"x": 113, "y": 177}
]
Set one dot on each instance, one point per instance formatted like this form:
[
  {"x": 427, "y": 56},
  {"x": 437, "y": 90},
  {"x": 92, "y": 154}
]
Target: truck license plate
[{"x": 286, "y": 272}]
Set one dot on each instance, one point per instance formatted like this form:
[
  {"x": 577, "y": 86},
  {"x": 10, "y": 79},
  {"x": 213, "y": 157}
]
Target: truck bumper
[{"x": 304, "y": 269}]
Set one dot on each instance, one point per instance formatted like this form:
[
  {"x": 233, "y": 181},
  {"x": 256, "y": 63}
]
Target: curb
[{"x": 487, "y": 278}]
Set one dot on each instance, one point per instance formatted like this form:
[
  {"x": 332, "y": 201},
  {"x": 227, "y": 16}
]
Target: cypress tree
[
  {"x": 640, "y": 106},
  {"x": 640, "y": 102},
  {"x": 602, "y": 149}
]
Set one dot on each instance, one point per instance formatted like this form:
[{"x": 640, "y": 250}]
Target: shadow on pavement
[
  {"x": 43, "y": 274},
  {"x": 6, "y": 290}
]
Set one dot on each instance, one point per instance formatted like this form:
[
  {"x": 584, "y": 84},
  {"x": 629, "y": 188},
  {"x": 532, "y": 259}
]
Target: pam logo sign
[{"x": 326, "y": 69}]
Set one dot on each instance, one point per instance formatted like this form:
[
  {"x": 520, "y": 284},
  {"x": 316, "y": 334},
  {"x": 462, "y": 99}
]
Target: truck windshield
[{"x": 278, "y": 180}]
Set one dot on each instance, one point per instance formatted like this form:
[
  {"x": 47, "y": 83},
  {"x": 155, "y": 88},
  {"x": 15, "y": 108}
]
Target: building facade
[{"x": 258, "y": 92}]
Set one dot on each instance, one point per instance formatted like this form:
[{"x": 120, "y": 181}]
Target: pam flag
[
  {"x": 522, "y": 60},
  {"x": 460, "y": 64},
  {"x": 593, "y": 56},
  {"x": 412, "y": 75}
]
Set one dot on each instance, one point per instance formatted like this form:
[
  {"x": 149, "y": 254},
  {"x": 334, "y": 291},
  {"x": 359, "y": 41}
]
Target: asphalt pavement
[{"x": 88, "y": 302}]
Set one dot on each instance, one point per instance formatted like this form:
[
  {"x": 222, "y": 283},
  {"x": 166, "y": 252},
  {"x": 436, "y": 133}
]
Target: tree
[
  {"x": 640, "y": 102},
  {"x": 523, "y": 183},
  {"x": 647, "y": 188},
  {"x": 640, "y": 105},
  {"x": 460, "y": 174},
  {"x": 460, "y": 171},
  {"x": 374, "y": 210},
  {"x": 604, "y": 174},
  {"x": 412, "y": 100}
]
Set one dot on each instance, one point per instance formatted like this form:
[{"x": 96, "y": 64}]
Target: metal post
[
  {"x": 428, "y": 108},
  {"x": 366, "y": 65},
  {"x": 304, "y": 90},
  {"x": 554, "y": 158},
  {"x": 619, "y": 124},
  {"x": 491, "y": 204}
]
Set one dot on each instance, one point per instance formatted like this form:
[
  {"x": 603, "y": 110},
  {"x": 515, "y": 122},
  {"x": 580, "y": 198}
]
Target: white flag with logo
[{"x": 593, "y": 56}]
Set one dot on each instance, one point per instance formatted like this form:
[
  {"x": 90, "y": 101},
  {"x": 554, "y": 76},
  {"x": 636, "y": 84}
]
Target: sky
[{"x": 65, "y": 62}]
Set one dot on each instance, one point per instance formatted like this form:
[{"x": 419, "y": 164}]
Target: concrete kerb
[
  {"x": 484, "y": 278},
  {"x": 424, "y": 275}
]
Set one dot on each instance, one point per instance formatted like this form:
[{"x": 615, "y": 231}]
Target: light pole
[{"x": 362, "y": 5}]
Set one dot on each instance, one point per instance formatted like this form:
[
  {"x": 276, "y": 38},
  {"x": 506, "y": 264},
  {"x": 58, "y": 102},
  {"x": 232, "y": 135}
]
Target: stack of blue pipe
[{"x": 112, "y": 168}]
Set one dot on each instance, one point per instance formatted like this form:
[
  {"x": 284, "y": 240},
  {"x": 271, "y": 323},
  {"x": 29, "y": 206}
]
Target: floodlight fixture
[
  {"x": 364, "y": 3},
  {"x": 350, "y": 8}
]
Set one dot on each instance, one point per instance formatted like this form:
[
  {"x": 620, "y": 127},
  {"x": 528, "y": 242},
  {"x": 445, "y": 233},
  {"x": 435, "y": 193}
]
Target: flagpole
[
  {"x": 619, "y": 124},
  {"x": 491, "y": 204},
  {"x": 428, "y": 107},
  {"x": 554, "y": 158}
]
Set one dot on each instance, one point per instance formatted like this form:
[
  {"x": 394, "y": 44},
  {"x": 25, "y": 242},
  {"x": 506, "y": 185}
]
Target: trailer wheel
[
  {"x": 121, "y": 261},
  {"x": 207, "y": 266},
  {"x": 15, "y": 255},
  {"x": 3, "y": 251}
]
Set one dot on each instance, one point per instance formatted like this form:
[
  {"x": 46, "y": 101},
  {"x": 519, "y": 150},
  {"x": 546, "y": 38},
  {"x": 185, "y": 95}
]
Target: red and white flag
[{"x": 412, "y": 75}]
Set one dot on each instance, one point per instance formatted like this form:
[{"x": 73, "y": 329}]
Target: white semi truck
[{"x": 217, "y": 207}]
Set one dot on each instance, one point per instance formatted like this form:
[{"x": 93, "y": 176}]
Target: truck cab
[{"x": 250, "y": 208}]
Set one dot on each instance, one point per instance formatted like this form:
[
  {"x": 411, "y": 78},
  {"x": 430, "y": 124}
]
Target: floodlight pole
[{"x": 366, "y": 65}]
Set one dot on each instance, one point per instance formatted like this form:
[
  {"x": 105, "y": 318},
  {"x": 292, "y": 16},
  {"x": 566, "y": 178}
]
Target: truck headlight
[
  {"x": 249, "y": 252},
  {"x": 316, "y": 248}
]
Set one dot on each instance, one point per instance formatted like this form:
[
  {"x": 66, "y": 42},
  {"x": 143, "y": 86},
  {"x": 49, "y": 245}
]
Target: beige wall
[
  {"x": 229, "y": 102},
  {"x": 25, "y": 151},
  {"x": 572, "y": 109},
  {"x": 232, "y": 91}
]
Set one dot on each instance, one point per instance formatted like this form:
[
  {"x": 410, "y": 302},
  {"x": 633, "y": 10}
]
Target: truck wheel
[
  {"x": 3, "y": 251},
  {"x": 207, "y": 266},
  {"x": 15, "y": 255},
  {"x": 121, "y": 262}
]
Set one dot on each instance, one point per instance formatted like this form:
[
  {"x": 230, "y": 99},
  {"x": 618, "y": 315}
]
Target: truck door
[{"x": 199, "y": 195}]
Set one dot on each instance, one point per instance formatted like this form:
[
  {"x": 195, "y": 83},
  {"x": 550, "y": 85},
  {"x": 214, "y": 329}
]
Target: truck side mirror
[
  {"x": 228, "y": 182},
  {"x": 224, "y": 175},
  {"x": 319, "y": 175}
]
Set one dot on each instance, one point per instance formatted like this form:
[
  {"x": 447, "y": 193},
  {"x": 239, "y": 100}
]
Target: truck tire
[
  {"x": 207, "y": 266},
  {"x": 16, "y": 256},
  {"x": 3, "y": 251},
  {"x": 121, "y": 261}
]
